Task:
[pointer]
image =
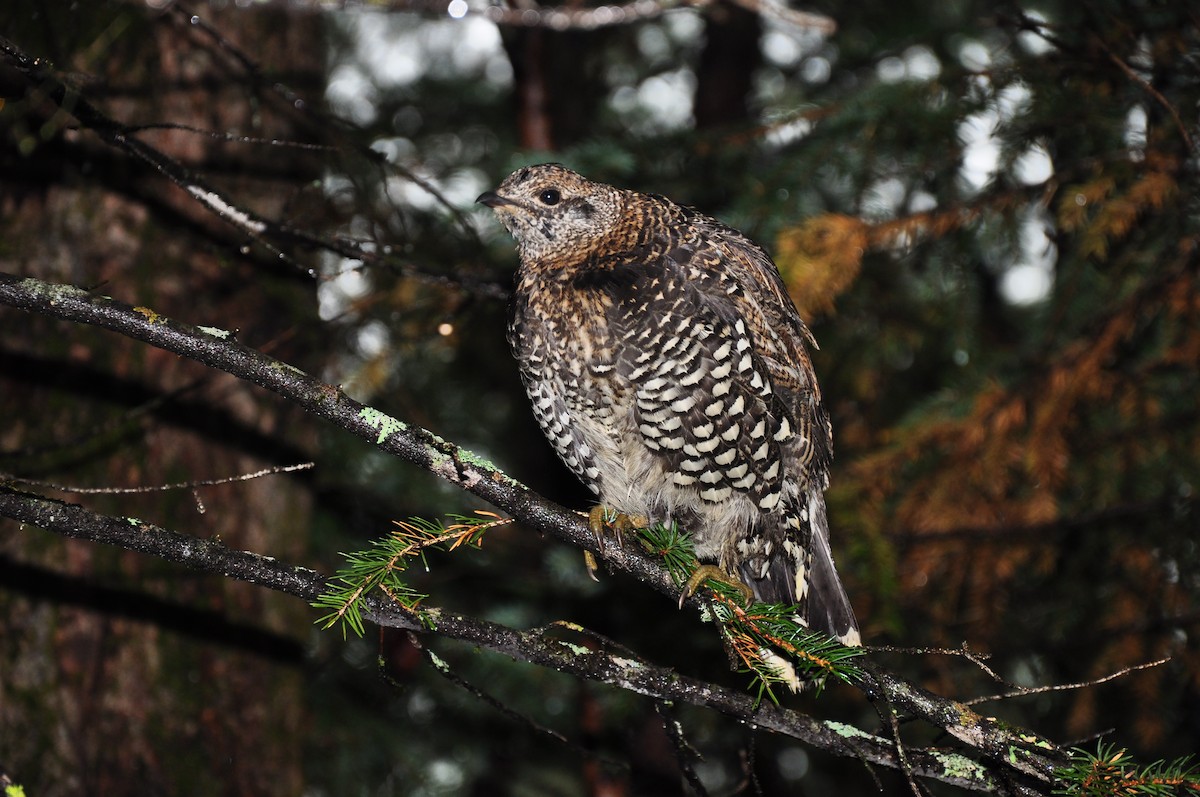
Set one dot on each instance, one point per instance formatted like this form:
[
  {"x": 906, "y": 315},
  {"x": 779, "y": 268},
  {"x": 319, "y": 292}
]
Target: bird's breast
[{"x": 565, "y": 349}]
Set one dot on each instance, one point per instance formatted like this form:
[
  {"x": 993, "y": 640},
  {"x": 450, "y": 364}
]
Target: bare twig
[
  {"x": 1014, "y": 690},
  {"x": 1022, "y": 691},
  {"x": 978, "y": 660},
  {"x": 233, "y": 138},
  {"x": 1153, "y": 92},
  {"x": 905, "y": 767},
  {"x": 442, "y": 668},
  {"x": 156, "y": 488},
  {"x": 684, "y": 752}
]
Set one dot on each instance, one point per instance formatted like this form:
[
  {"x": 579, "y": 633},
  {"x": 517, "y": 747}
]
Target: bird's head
[{"x": 554, "y": 212}]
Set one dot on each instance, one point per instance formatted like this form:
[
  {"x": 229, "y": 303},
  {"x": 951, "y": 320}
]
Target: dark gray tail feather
[{"x": 829, "y": 607}]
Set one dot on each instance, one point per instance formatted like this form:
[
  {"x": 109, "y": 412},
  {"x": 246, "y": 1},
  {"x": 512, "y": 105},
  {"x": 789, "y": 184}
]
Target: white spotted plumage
[{"x": 670, "y": 371}]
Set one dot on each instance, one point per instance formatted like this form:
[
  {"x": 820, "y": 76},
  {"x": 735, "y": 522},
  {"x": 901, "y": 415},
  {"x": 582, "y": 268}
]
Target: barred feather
[{"x": 670, "y": 370}]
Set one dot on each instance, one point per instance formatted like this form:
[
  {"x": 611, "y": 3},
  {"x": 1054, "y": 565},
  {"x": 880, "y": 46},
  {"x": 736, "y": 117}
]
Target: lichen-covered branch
[
  {"x": 535, "y": 646},
  {"x": 217, "y": 349},
  {"x": 1008, "y": 755}
]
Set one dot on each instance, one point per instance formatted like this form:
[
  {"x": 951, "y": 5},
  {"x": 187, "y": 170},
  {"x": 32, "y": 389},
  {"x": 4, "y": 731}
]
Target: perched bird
[{"x": 670, "y": 370}]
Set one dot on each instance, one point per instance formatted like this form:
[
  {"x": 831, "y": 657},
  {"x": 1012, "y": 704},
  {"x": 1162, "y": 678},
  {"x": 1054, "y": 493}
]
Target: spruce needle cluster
[
  {"x": 1112, "y": 772},
  {"x": 381, "y": 566},
  {"x": 766, "y": 638}
]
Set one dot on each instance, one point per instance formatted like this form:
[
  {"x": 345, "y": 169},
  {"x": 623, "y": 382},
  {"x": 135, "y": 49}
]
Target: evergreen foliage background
[{"x": 988, "y": 213}]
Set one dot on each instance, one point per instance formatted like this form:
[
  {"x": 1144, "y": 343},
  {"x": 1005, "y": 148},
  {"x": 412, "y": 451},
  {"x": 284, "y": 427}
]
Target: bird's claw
[
  {"x": 704, "y": 573},
  {"x": 602, "y": 520},
  {"x": 589, "y": 561}
]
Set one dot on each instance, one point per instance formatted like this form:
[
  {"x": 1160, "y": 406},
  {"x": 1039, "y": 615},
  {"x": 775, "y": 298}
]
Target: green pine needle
[
  {"x": 380, "y": 566},
  {"x": 1111, "y": 772},
  {"x": 775, "y": 648},
  {"x": 674, "y": 547}
]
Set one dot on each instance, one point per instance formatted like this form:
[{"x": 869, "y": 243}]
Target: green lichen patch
[{"x": 386, "y": 424}]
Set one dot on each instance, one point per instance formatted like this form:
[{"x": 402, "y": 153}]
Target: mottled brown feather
[{"x": 671, "y": 372}]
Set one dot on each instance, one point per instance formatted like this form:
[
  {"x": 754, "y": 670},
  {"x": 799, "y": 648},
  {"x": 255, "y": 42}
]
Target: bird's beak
[{"x": 493, "y": 200}]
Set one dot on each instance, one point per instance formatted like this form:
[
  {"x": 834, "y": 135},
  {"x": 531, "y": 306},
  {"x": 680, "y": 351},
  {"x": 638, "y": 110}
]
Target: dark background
[{"x": 988, "y": 213}]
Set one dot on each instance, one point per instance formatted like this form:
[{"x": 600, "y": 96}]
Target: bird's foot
[
  {"x": 603, "y": 520},
  {"x": 705, "y": 573}
]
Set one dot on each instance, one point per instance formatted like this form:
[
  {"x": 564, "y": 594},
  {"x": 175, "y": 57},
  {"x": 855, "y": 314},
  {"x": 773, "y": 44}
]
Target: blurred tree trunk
[
  {"x": 725, "y": 74},
  {"x": 723, "y": 98},
  {"x": 115, "y": 647},
  {"x": 559, "y": 90}
]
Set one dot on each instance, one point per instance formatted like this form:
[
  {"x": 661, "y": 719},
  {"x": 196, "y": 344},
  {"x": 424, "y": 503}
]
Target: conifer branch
[
  {"x": 380, "y": 566},
  {"x": 759, "y": 633},
  {"x": 619, "y": 669},
  {"x": 1013, "y": 753},
  {"x": 1111, "y": 772}
]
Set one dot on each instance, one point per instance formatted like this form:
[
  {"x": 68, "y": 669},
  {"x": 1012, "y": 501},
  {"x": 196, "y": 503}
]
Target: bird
[{"x": 670, "y": 370}]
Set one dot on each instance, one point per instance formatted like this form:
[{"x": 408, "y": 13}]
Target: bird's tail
[
  {"x": 801, "y": 571},
  {"x": 829, "y": 607}
]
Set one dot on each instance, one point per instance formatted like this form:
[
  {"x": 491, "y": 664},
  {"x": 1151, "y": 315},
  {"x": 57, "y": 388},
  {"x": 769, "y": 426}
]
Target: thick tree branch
[
  {"x": 535, "y": 646},
  {"x": 565, "y": 17},
  {"x": 215, "y": 348},
  {"x": 1020, "y": 754}
]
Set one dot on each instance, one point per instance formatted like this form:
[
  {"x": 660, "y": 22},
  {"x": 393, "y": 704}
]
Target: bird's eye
[{"x": 550, "y": 196}]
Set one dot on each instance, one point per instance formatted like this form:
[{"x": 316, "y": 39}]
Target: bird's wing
[
  {"x": 782, "y": 339},
  {"x": 703, "y": 397},
  {"x": 725, "y": 396},
  {"x": 576, "y": 419}
]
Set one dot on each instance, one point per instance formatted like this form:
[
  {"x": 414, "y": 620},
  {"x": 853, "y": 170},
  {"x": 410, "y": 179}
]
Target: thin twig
[
  {"x": 977, "y": 659},
  {"x": 442, "y": 668},
  {"x": 1015, "y": 691},
  {"x": 155, "y": 488},
  {"x": 887, "y": 714},
  {"x": 1153, "y": 92},
  {"x": 235, "y": 138},
  {"x": 749, "y": 759},
  {"x": 962, "y": 652},
  {"x": 1022, "y": 691},
  {"x": 684, "y": 751}
]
